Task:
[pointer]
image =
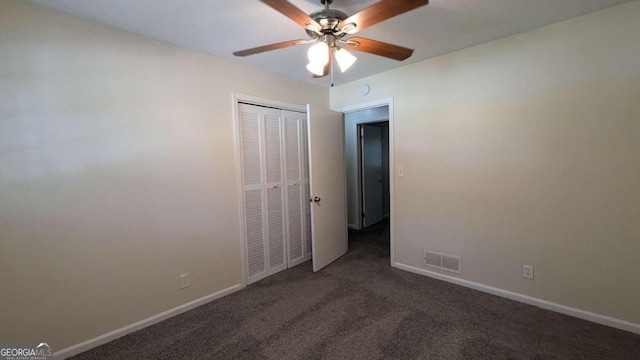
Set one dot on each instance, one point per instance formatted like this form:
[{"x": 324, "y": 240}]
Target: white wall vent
[{"x": 443, "y": 261}]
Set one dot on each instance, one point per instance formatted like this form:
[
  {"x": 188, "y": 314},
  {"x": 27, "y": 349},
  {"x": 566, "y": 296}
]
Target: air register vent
[{"x": 443, "y": 261}]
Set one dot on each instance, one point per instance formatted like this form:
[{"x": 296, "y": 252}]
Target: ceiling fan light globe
[
  {"x": 345, "y": 59},
  {"x": 315, "y": 68},
  {"x": 319, "y": 53}
]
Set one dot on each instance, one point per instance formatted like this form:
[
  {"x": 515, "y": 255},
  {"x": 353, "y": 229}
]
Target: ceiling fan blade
[
  {"x": 265, "y": 48},
  {"x": 381, "y": 11},
  {"x": 292, "y": 12},
  {"x": 378, "y": 48}
]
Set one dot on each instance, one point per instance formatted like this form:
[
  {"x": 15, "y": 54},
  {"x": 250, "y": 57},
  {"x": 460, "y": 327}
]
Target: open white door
[{"x": 328, "y": 186}]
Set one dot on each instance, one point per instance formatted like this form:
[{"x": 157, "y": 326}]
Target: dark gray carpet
[{"x": 361, "y": 308}]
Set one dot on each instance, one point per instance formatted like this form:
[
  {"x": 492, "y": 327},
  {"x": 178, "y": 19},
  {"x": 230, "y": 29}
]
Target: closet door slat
[
  {"x": 276, "y": 228},
  {"x": 251, "y": 148},
  {"x": 275, "y": 200},
  {"x": 253, "y": 193},
  {"x": 295, "y": 188},
  {"x": 254, "y": 232},
  {"x": 273, "y": 145},
  {"x": 293, "y": 153},
  {"x": 295, "y": 225}
]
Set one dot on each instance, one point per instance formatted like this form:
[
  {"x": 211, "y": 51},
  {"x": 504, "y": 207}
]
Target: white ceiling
[{"x": 219, "y": 27}]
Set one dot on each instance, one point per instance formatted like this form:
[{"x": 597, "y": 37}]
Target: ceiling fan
[{"x": 329, "y": 29}]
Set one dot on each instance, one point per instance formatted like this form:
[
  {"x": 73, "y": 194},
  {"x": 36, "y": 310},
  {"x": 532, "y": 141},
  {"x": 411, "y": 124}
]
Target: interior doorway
[
  {"x": 368, "y": 164},
  {"x": 374, "y": 172}
]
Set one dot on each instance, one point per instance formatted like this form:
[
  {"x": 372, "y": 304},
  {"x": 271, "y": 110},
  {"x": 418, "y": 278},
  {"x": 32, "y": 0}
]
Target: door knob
[
  {"x": 380, "y": 180},
  {"x": 314, "y": 199}
]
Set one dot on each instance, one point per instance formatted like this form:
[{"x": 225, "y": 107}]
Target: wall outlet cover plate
[{"x": 184, "y": 281}]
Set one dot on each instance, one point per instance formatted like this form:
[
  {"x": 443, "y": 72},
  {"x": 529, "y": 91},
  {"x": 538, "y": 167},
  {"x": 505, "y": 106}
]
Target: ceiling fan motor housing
[{"x": 329, "y": 19}]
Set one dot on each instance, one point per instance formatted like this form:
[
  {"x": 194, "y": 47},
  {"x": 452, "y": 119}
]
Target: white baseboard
[
  {"x": 544, "y": 304},
  {"x": 112, "y": 335}
]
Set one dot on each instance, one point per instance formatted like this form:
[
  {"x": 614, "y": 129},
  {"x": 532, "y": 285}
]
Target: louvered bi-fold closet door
[
  {"x": 296, "y": 166},
  {"x": 262, "y": 170}
]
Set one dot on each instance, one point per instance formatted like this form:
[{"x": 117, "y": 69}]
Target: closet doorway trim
[{"x": 236, "y": 99}]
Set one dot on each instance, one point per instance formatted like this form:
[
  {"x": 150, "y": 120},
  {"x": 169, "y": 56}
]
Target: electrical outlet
[
  {"x": 184, "y": 281},
  {"x": 527, "y": 271}
]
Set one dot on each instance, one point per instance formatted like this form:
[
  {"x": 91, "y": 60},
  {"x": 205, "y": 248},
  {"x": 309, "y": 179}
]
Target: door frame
[
  {"x": 374, "y": 104},
  {"x": 236, "y": 98}
]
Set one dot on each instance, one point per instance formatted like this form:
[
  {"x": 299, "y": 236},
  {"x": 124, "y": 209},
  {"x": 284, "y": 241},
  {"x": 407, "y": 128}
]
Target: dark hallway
[{"x": 374, "y": 239}]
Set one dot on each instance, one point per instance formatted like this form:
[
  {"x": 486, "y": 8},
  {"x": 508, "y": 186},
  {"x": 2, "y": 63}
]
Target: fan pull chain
[{"x": 331, "y": 69}]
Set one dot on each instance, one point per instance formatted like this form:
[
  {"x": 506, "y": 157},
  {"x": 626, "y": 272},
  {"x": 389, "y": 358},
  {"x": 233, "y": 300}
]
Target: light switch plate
[
  {"x": 400, "y": 171},
  {"x": 184, "y": 281}
]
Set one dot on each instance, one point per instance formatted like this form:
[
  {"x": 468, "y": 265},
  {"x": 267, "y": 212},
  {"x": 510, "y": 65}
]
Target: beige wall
[
  {"x": 521, "y": 151},
  {"x": 117, "y": 174}
]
